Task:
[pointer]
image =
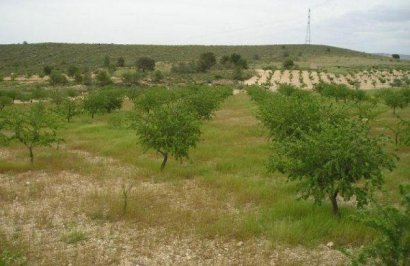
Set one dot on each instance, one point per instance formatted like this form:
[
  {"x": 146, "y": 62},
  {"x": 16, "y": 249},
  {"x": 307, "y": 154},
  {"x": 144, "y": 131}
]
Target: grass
[
  {"x": 222, "y": 191},
  {"x": 230, "y": 160}
]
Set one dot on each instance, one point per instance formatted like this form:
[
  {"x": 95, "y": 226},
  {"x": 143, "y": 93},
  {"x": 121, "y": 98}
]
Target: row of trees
[
  {"x": 167, "y": 121},
  {"x": 208, "y": 60}
]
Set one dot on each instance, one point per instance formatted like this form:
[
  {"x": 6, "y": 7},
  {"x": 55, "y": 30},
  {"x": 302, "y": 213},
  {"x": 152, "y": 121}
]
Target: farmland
[{"x": 97, "y": 194}]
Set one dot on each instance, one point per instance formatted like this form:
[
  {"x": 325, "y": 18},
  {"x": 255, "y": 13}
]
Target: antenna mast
[{"x": 307, "y": 40}]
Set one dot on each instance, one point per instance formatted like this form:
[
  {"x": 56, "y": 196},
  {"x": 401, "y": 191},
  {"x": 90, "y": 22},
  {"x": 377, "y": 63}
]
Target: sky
[{"x": 363, "y": 25}]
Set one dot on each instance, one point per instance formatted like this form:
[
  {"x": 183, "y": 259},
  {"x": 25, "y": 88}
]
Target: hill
[{"x": 31, "y": 58}]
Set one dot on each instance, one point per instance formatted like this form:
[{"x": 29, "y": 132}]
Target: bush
[
  {"x": 288, "y": 64},
  {"x": 121, "y": 62},
  {"x": 5, "y": 101},
  {"x": 206, "y": 61},
  {"x": 72, "y": 71},
  {"x": 392, "y": 246},
  {"x": 47, "y": 70},
  {"x": 131, "y": 78},
  {"x": 183, "y": 68},
  {"x": 57, "y": 78},
  {"x": 103, "y": 78},
  {"x": 145, "y": 64},
  {"x": 157, "y": 76},
  {"x": 87, "y": 79}
]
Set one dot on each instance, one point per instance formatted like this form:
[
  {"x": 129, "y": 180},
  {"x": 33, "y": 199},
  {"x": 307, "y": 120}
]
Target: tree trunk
[
  {"x": 30, "y": 149},
  {"x": 333, "y": 199},
  {"x": 394, "y": 110},
  {"x": 164, "y": 161}
]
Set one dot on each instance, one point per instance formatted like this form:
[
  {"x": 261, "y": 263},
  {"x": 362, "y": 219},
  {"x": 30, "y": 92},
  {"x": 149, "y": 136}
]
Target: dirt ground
[{"x": 40, "y": 210}]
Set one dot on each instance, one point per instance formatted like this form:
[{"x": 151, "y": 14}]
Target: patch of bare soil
[{"x": 285, "y": 78}]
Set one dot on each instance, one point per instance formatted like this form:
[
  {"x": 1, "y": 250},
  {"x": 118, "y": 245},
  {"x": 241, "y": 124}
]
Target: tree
[
  {"x": 396, "y": 56},
  {"x": 68, "y": 109},
  {"x": 57, "y": 78},
  {"x": 33, "y": 127},
  {"x": 104, "y": 101},
  {"x": 121, "y": 62},
  {"x": 206, "y": 61},
  {"x": 340, "y": 159},
  {"x": 394, "y": 99},
  {"x": 145, "y": 64},
  {"x": 5, "y": 101},
  {"x": 392, "y": 246},
  {"x": 169, "y": 129},
  {"x": 320, "y": 145}
]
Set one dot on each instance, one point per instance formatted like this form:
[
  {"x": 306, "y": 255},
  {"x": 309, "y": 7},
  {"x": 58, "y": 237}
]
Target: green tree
[
  {"x": 33, "y": 127},
  {"x": 338, "y": 160},
  {"x": 206, "y": 61},
  {"x": 169, "y": 129},
  {"x": 394, "y": 99},
  {"x": 396, "y": 56},
  {"x": 104, "y": 101},
  {"x": 145, "y": 64},
  {"x": 392, "y": 246},
  {"x": 68, "y": 109}
]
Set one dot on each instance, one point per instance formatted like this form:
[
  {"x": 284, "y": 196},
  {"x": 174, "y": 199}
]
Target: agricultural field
[
  {"x": 202, "y": 155},
  {"x": 365, "y": 80}
]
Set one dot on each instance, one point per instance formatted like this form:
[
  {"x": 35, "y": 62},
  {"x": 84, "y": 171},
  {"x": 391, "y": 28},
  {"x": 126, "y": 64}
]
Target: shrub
[
  {"x": 103, "y": 78},
  {"x": 206, "y": 61},
  {"x": 157, "y": 76},
  {"x": 47, "y": 70},
  {"x": 288, "y": 64},
  {"x": 5, "y": 101},
  {"x": 145, "y": 64},
  {"x": 392, "y": 246},
  {"x": 131, "y": 78},
  {"x": 183, "y": 68},
  {"x": 57, "y": 78},
  {"x": 72, "y": 71},
  {"x": 121, "y": 62}
]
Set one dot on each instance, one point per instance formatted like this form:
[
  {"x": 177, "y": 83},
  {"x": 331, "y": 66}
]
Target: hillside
[{"x": 31, "y": 58}]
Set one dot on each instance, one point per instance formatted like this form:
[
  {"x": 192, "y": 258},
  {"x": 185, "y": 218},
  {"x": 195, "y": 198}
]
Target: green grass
[{"x": 230, "y": 161}]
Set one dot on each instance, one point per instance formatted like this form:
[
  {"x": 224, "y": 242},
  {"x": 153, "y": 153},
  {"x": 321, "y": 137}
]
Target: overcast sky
[{"x": 364, "y": 25}]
